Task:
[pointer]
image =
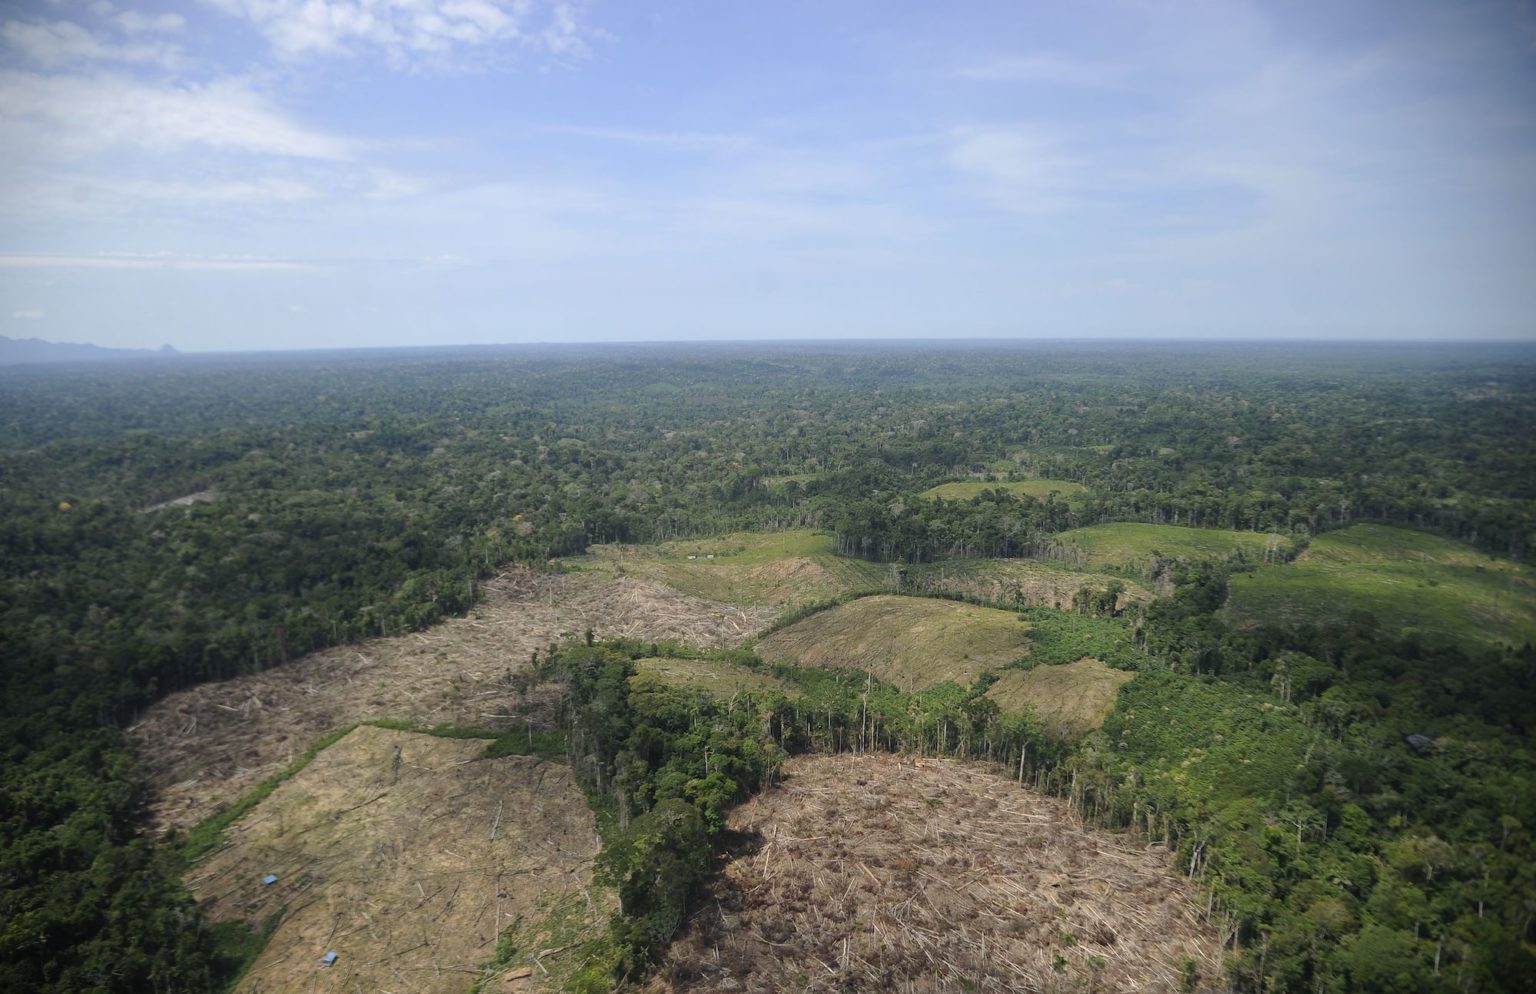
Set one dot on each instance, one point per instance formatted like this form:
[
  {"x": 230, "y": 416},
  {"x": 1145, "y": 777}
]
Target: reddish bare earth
[
  {"x": 207, "y": 746},
  {"x": 881, "y": 873}
]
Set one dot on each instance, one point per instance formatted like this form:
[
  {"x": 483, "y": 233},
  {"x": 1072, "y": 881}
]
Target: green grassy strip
[{"x": 208, "y": 834}]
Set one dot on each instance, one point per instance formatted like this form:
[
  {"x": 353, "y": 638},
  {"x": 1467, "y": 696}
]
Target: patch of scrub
[
  {"x": 1023, "y": 488},
  {"x": 718, "y": 679},
  {"x": 1072, "y": 699},
  {"x": 1132, "y": 546},
  {"x": 910, "y": 642}
]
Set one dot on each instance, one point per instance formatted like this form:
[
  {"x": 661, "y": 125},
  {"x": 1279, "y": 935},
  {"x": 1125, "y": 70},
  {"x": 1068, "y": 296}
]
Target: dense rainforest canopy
[{"x": 337, "y": 496}]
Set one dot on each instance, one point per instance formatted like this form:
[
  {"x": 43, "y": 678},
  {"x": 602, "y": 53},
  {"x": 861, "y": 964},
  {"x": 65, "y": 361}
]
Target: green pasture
[{"x": 1407, "y": 579}]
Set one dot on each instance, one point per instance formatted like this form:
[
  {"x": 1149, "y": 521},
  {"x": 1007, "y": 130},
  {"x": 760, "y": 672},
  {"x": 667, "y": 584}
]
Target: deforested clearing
[
  {"x": 911, "y": 642},
  {"x": 406, "y": 856},
  {"x": 717, "y": 679},
  {"x": 880, "y": 872},
  {"x": 208, "y": 745},
  {"x": 1071, "y": 699}
]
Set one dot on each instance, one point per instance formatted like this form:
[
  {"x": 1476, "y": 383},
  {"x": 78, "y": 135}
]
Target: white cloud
[
  {"x": 272, "y": 190},
  {"x": 408, "y": 30},
  {"x": 134, "y": 22},
  {"x": 32, "y": 315},
  {"x": 161, "y": 261},
  {"x": 1044, "y": 68},
  {"x": 67, "y": 117},
  {"x": 60, "y": 43},
  {"x": 1015, "y": 168}
]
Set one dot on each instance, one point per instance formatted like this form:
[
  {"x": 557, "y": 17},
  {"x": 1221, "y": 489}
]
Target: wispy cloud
[
  {"x": 68, "y": 116},
  {"x": 165, "y": 261},
  {"x": 52, "y": 44},
  {"x": 409, "y": 31},
  {"x": 1016, "y": 168},
  {"x": 28, "y": 315},
  {"x": 1045, "y": 68}
]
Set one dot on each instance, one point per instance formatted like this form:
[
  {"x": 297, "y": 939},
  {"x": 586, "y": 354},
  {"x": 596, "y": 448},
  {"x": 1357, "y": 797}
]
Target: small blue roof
[
  {"x": 269, "y": 879},
  {"x": 329, "y": 958}
]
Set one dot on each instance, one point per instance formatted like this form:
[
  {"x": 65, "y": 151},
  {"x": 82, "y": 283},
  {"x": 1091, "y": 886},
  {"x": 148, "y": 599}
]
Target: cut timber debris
[
  {"x": 206, "y": 746},
  {"x": 397, "y": 876},
  {"x": 880, "y": 873}
]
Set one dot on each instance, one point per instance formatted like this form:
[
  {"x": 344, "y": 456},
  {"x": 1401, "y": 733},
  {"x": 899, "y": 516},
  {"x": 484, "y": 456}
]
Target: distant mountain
[{"x": 17, "y": 351}]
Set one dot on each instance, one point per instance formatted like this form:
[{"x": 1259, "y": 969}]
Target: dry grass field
[
  {"x": 1072, "y": 699},
  {"x": 407, "y": 856},
  {"x": 206, "y": 746},
  {"x": 911, "y": 642},
  {"x": 778, "y": 569},
  {"x": 1023, "y": 488},
  {"x": 720, "y": 680},
  {"x": 1018, "y": 581},
  {"x": 880, "y": 873}
]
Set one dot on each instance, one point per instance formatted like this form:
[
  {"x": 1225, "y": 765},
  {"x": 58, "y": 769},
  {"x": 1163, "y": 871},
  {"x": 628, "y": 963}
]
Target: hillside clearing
[
  {"x": 756, "y": 568},
  {"x": 208, "y": 745},
  {"x": 406, "y": 856},
  {"x": 721, "y": 680},
  {"x": 1017, "y": 581},
  {"x": 911, "y": 642},
  {"x": 794, "y": 568},
  {"x": 882, "y": 873},
  {"x": 1072, "y": 699},
  {"x": 1406, "y": 578},
  {"x": 1021, "y": 488},
  {"x": 1131, "y": 546}
]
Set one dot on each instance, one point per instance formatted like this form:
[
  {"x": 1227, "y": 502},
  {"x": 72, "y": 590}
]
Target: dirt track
[{"x": 207, "y": 746}]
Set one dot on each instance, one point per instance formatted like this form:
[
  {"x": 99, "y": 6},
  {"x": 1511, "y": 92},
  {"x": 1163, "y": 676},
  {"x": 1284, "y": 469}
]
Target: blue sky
[{"x": 239, "y": 174}]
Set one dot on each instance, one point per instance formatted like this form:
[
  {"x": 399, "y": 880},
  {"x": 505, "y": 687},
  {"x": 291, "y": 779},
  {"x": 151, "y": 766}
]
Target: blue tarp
[
  {"x": 269, "y": 879},
  {"x": 329, "y": 958}
]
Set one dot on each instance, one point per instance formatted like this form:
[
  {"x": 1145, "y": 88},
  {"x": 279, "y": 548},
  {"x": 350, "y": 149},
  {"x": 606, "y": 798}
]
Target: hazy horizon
[{"x": 235, "y": 175}]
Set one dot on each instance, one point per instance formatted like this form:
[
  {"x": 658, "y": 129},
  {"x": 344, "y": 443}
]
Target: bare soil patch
[
  {"x": 406, "y": 856},
  {"x": 879, "y": 873},
  {"x": 1072, "y": 699},
  {"x": 206, "y": 746},
  {"x": 912, "y": 642}
]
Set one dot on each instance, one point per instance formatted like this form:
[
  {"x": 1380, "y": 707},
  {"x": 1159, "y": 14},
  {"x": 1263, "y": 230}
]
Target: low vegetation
[
  {"x": 719, "y": 679},
  {"x": 1408, "y": 581},
  {"x": 1142, "y": 549},
  {"x": 912, "y": 642},
  {"x": 1071, "y": 699},
  {"x": 1031, "y": 488},
  {"x": 779, "y": 569}
]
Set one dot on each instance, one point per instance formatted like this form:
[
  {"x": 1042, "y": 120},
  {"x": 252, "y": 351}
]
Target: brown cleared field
[
  {"x": 206, "y": 746},
  {"x": 1072, "y": 699},
  {"x": 407, "y": 856},
  {"x": 875, "y": 873},
  {"x": 911, "y": 642},
  {"x": 721, "y": 680}
]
